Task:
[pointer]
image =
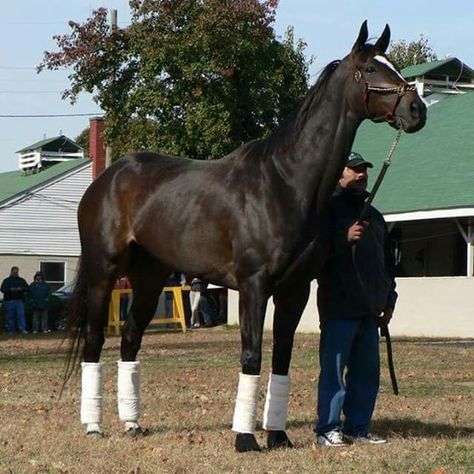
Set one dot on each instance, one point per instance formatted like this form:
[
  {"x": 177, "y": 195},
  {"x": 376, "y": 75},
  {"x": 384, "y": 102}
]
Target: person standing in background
[
  {"x": 197, "y": 288},
  {"x": 175, "y": 279},
  {"x": 123, "y": 283},
  {"x": 14, "y": 289},
  {"x": 39, "y": 297}
]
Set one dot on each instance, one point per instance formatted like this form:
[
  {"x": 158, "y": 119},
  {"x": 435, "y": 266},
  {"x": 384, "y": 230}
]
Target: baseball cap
[{"x": 355, "y": 159}]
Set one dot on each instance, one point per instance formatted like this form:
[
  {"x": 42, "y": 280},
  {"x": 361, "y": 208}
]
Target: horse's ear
[
  {"x": 361, "y": 39},
  {"x": 382, "y": 43}
]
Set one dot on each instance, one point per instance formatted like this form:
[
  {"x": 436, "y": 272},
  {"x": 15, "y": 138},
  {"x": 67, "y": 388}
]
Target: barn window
[
  {"x": 429, "y": 248},
  {"x": 53, "y": 273}
]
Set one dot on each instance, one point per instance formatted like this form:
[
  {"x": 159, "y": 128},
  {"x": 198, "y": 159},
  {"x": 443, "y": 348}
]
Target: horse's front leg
[
  {"x": 289, "y": 306},
  {"x": 252, "y": 306}
]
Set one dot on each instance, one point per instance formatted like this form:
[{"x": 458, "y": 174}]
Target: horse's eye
[{"x": 370, "y": 69}]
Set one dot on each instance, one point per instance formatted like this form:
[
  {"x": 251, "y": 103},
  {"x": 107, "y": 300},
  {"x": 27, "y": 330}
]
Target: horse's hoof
[
  {"x": 136, "y": 431},
  {"x": 93, "y": 429},
  {"x": 245, "y": 442},
  {"x": 278, "y": 439}
]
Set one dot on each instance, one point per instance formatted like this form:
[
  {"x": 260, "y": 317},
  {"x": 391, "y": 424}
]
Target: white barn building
[{"x": 38, "y": 206}]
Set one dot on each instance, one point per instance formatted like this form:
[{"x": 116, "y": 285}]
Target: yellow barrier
[{"x": 177, "y": 317}]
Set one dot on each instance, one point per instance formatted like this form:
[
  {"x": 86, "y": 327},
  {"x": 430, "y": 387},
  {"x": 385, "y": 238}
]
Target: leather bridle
[{"x": 384, "y": 89}]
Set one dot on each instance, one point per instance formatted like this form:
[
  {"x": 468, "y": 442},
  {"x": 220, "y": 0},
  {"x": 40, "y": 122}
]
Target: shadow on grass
[
  {"x": 186, "y": 427},
  {"x": 406, "y": 427},
  {"x": 412, "y": 428},
  {"x": 193, "y": 346}
]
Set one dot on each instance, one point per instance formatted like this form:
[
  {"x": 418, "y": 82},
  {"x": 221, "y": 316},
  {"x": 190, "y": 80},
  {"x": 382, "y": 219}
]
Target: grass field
[{"x": 188, "y": 389}]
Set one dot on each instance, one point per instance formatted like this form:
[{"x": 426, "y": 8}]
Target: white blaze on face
[{"x": 386, "y": 62}]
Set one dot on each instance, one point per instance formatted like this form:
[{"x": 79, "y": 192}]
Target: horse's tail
[{"x": 76, "y": 319}]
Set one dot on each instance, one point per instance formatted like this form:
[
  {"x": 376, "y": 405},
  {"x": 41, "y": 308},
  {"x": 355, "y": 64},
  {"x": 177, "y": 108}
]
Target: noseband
[{"x": 384, "y": 89}]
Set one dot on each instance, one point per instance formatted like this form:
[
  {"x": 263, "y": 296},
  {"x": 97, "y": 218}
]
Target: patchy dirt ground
[{"x": 188, "y": 389}]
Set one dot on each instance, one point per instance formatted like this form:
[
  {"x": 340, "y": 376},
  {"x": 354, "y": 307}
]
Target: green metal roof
[
  {"x": 444, "y": 67},
  {"x": 420, "y": 69},
  {"x": 431, "y": 169},
  {"x": 15, "y": 183},
  {"x": 53, "y": 144}
]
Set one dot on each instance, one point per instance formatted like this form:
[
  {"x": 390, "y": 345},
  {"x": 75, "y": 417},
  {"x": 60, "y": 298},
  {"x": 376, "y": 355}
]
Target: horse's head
[{"x": 379, "y": 92}]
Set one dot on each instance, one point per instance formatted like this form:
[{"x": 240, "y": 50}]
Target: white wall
[
  {"x": 430, "y": 307},
  {"x": 30, "y": 264},
  {"x": 45, "y": 221}
]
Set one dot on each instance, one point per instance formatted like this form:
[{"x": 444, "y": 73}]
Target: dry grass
[{"x": 188, "y": 390}]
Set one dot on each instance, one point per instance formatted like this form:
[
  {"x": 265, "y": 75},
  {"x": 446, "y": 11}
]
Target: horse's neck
[{"x": 312, "y": 166}]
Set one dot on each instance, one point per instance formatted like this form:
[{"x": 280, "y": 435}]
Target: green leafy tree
[
  {"x": 83, "y": 140},
  {"x": 190, "y": 77},
  {"x": 403, "y": 54}
]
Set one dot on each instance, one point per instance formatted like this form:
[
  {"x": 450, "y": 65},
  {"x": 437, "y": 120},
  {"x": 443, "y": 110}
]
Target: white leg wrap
[
  {"x": 276, "y": 404},
  {"x": 91, "y": 396},
  {"x": 128, "y": 393},
  {"x": 245, "y": 412}
]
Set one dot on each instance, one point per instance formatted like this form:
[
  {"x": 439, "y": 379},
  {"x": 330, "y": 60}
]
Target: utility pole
[{"x": 113, "y": 26}]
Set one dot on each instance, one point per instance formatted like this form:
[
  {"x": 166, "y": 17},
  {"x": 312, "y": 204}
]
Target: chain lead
[{"x": 395, "y": 143}]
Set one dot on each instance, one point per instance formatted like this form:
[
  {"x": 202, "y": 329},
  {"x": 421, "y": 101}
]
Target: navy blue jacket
[
  {"x": 39, "y": 295},
  {"x": 344, "y": 291},
  {"x": 14, "y": 288}
]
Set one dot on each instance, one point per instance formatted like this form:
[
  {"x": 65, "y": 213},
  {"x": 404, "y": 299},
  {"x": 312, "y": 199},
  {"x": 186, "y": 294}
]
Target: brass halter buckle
[{"x": 384, "y": 89}]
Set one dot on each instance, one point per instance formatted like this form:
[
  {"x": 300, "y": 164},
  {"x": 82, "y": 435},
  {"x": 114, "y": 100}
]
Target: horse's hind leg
[
  {"x": 289, "y": 306},
  {"x": 98, "y": 295},
  {"x": 147, "y": 277}
]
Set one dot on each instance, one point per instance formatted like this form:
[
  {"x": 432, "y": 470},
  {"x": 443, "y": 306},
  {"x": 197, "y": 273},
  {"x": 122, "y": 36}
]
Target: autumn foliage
[{"x": 191, "y": 78}]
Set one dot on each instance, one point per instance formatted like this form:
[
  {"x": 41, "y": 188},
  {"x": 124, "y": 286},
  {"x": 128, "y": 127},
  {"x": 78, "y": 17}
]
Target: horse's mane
[
  {"x": 313, "y": 97},
  {"x": 287, "y": 132}
]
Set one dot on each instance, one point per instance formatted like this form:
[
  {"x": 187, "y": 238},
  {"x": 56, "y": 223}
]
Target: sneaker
[
  {"x": 35, "y": 332},
  {"x": 331, "y": 438},
  {"x": 369, "y": 438},
  {"x": 24, "y": 332}
]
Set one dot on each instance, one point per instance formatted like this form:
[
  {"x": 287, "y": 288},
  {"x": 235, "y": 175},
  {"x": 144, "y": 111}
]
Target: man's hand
[
  {"x": 385, "y": 317},
  {"x": 356, "y": 231}
]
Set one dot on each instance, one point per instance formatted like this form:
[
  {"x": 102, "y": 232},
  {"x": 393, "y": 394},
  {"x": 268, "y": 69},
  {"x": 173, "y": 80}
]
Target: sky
[{"x": 329, "y": 29}]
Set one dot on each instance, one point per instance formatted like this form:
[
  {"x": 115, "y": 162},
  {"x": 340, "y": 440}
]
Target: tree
[
  {"x": 190, "y": 77},
  {"x": 83, "y": 140},
  {"x": 403, "y": 54}
]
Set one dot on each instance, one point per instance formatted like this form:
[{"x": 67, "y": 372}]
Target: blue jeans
[
  {"x": 351, "y": 344},
  {"x": 123, "y": 308},
  {"x": 205, "y": 309},
  {"x": 169, "y": 304},
  {"x": 15, "y": 312},
  {"x": 40, "y": 318}
]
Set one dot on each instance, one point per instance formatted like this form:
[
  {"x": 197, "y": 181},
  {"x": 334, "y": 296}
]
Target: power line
[
  {"x": 65, "y": 22},
  {"x": 30, "y": 92},
  {"x": 35, "y": 81},
  {"x": 49, "y": 115},
  {"x": 18, "y": 67},
  {"x": 5, "y": 23}
]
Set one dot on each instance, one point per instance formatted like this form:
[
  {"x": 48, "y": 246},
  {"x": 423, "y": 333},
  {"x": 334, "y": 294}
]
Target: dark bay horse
[{"x": 241, "y": 222}]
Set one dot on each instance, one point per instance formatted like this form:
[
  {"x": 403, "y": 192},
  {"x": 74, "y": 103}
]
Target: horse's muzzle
[{"x": 410, "y": 114}]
